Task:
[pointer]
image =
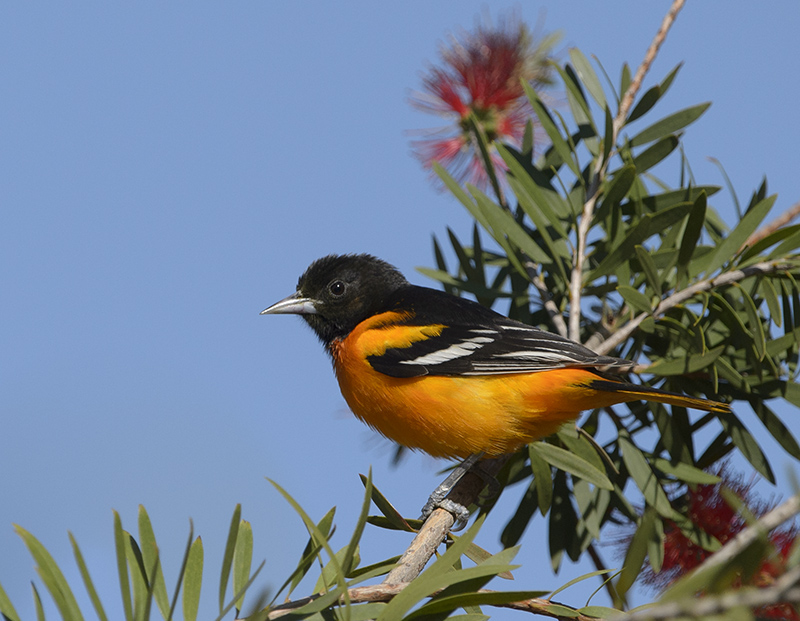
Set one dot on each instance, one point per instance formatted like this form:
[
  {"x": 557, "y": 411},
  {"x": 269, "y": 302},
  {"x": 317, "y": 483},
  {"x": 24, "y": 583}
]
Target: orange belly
[{"x": 454, "y": 416}]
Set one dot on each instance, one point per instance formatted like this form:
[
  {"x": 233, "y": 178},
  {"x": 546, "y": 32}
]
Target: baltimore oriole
[{"x": 446, "y": 375}]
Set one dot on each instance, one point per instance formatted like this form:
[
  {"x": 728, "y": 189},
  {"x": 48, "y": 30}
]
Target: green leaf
[
  {"x": 618, "y": 187},
  {"x": 669, "y": 124},
  {"x": 152, "y": 563},
  {"x": 516, "y": 525},
  {"x": 754, "y": 321},
  {"x": 227, "y": 558},
  {"x": 386, "y": 507},
  {"x": 192, "y": 581},
  {"x": 320, "y": 538},
  {"x": 569, "y": 462},
  {"x": 52, "y": 577},
  {"x": 691, "y": 234},
  {"x": 38, "y": 603},
  {"x": 7, "y": 608},
  {"x": 635, "y": 298},
  {"x": 587, "y": 75},
  {"x": 348, "y": 563},
  {"x": 122, "y": 567},
  {"x": 459, "y": 192},
  {"x": 643, "y": 476},
  {"x": 441, "y": 574},
  {"x": 686, "y": 365},
  {"x": 242, "y": 560},
  {"x": 546, "y": 121},
  {"x": 541, "y": 204},
  {"x": 730, "y": 246},
  {"x": 650, "y": 224},
  {"x": 775, "y": 426},
  {"x": 685, "y": 472},
  {"x": 564, "y": 587},
  {"x": 87, "y": 582},
  {"x": 310, "y": 553},
  {"x": 637, "y": 552},
  {"x": 645, "y": 103},
  {"x": 575, "y": 97},
  {"x": 785, "y": 232},
  {"x": 492, "y": 598},
  {"x": 649, "y": 268},
  {"x": 608, "y": 135},
  {"x": 582, "y": 444},
  {"x": 138, "y": 576},
  {"x": 239, "y": 595},
  {"x": 504, "y": 225},
  {"x": 655, "y": 154},
  {"x": 789, "y": 245},
  {"x": 747, "y": 444},
  {"x": 543, "y": 477}
]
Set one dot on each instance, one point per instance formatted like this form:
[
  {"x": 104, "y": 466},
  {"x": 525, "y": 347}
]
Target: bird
[{"x": 448, "y": 376}]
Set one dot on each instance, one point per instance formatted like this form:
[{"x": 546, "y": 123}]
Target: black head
[{"x": 337, "y": 292}]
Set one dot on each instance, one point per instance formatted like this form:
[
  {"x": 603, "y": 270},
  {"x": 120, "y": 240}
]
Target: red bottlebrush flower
[
  {"x": 710, "y": 512},
  {"x": 481, "y": 81}
]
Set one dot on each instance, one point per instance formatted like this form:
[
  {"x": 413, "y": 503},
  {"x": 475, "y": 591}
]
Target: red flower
[
  {"x": 710, "y": 512},
  {"x": 480, "y": 81}
]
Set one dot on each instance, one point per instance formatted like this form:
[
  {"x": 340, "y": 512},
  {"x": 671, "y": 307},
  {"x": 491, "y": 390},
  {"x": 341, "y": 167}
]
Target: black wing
[{"x": 478, "y": 341}]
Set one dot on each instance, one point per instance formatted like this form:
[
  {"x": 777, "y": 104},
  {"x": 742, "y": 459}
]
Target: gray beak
[{"x": 295, "y": 304}]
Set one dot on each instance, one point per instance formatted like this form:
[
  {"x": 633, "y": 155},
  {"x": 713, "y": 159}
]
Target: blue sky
[{"x": 168, "y": 171}]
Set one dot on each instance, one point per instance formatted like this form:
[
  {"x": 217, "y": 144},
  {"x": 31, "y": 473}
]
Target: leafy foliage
[{"x": 644, "y": 271}]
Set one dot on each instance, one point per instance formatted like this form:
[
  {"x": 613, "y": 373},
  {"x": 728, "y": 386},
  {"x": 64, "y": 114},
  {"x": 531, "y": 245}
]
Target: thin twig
[
  {"x": 547, "y": 300},
  {"x": 765, "y": 524},
  {"x": 782, "y": 220},
  {"x": 385, "y": 592},
  {"x": 766, "y": 267},
  {"x": 601, "y": 165},
  {"x": 436, "y": 527},
  {"x": 784, "y": 591}
]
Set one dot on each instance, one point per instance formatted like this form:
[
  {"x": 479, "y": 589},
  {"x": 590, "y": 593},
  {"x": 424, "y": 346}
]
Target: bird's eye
[{"x": 336, "y": 288}]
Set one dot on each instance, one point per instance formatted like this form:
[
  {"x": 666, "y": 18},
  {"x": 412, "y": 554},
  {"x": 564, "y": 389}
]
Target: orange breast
[{"x": 450, "y": 416}]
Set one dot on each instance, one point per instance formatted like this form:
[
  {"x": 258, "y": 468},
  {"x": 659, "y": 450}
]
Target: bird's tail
[{"x": 646, "y": 393}]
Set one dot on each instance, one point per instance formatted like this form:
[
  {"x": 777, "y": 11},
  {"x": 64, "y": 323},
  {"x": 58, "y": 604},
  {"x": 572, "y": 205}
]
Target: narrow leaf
[
  {"x": 542, "y": 477},
  {"x": 730, "y": 246},
  {"x": 747, "y": 444},
  {"x": 242, "y": 560},
  {"x": 386, "y": 507},
  {"x": 572, "y": 463},
  {"x": 152, "y": 562},
  {"x": 637, "y": 552},
  {"x": 648, "y": 225},
  {"x": 643, "y": 476},
  {"x": 122, "y": 567},
  {"x": 87, "y": 581},
  {"x": 685, "y": 472},
  {"x": 227, "y": 558},
  {"x": 192, "y": 581},
  {"x": 655, "y": 153},
  {"x": 348, "y": 562},
  {"x": 635, "y": 298},
  {"x": 7, "y": 608},
  {"x": 587, "y": 75},
  {"x": 52, "y": 577},
  {"x": 669, "y": 124},
  {"x": 548, "y": 124}
]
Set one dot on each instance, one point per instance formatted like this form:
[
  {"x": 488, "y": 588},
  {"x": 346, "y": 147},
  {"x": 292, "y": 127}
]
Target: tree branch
[
  {"x": 385, "y": 592},
  {"x": 439, "y": 523},
  {"x": 601, "y": 165},
  {"x": 784, "y": 591},
  {"x": 621, "y": 335}
]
